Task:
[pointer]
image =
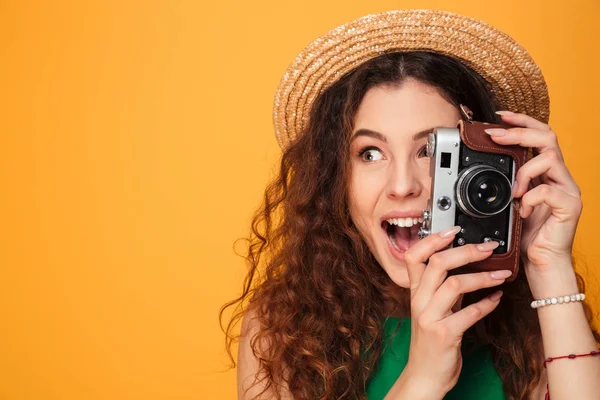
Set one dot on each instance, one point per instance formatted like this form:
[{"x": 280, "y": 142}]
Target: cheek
[
  {"x": 366, "y": 185},
  {"x": 363, "y": 195},
  {"x": 365, "y": 190}
]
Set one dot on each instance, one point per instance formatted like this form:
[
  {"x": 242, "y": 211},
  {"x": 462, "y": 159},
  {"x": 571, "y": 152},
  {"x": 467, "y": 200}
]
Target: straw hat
[{"x": 514, "y": 77}]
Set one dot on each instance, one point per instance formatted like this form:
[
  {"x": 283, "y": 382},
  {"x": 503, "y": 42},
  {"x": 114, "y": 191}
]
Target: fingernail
[
  {"x": 451, "y": 231},
  {"x": 515, "y": 188},
  {"x": 487, "y": 246},
  {"x": 504, "y": 112},
  {"x": 495, "y": 132},
  {"x": 496, "y": 295},
  {"x": 505, "y": 273}
]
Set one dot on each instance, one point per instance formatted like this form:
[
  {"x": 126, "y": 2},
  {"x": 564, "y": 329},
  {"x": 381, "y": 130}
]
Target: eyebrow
[{"x": 383, "y": 138}]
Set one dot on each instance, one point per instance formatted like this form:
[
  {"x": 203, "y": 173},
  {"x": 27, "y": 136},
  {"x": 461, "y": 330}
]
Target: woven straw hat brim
[{"x": 514, "y": 77}]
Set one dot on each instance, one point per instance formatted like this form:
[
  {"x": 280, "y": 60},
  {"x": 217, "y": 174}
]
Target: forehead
[{"x": 405, "y": 109}]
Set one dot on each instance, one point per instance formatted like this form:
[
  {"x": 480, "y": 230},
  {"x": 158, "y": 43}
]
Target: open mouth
[{"x": 400, "y": 237}]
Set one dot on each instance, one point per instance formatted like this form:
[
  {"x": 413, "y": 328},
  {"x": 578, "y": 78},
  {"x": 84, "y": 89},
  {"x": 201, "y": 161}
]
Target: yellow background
[{"x": 136, "y": 142}]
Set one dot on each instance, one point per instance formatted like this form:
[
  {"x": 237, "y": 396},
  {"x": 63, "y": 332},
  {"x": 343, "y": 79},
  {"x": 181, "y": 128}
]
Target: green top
[{"x": 478, "y": 378}]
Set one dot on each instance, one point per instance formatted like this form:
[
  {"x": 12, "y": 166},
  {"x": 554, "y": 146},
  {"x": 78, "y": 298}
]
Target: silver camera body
[{"x": 468, "y": 188}]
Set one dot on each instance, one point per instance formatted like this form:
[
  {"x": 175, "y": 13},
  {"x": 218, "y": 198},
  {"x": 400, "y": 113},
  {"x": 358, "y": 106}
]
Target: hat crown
[{"x": 514, "y": 78}]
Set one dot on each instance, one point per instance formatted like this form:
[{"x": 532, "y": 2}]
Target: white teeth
[{"x": 405, "y": 222}]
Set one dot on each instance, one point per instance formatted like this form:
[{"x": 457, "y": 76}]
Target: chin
[
  {"x": 398, "y": 275},
  {"x": 392, "y": 262},
  {"x": 395, "y": 269},
  {"x": 389, "y": 260}
]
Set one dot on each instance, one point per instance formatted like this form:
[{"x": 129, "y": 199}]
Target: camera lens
[{"x": 483, "y": 191}]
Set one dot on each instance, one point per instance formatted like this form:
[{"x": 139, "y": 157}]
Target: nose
[{"x": 406, "y": 180}]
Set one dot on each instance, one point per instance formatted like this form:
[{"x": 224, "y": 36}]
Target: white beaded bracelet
[{"x": 557, "y": 300}]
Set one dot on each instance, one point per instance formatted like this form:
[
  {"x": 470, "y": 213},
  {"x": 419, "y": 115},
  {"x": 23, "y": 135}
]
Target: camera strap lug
[{"x": 468, "y": 114}]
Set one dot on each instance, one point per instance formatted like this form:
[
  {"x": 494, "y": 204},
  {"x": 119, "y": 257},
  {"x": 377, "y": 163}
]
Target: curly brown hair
[{"x": 313, "y": 283}]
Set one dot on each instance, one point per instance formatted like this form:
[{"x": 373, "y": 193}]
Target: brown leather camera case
[{"x": 473, "y": 136}]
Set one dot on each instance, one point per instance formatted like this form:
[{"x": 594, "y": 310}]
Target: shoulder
[{"x": 249, "y": 374}]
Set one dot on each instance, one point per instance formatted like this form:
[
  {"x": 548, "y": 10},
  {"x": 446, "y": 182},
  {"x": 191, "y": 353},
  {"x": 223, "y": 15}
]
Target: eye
[
  {"x": 423, "y": 151},
  {"x": 370, "y": 154}
]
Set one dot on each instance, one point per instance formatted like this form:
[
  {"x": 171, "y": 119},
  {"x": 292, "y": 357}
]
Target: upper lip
[{"x": 402, "y": 214}]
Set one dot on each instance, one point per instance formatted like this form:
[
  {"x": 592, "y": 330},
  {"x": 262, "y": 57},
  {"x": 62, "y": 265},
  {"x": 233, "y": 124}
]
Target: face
[{"x": 389, "y": 169}]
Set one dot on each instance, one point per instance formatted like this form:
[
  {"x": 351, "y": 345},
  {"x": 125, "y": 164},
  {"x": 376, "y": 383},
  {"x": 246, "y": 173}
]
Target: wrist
[{"x": 552, "y": 282}]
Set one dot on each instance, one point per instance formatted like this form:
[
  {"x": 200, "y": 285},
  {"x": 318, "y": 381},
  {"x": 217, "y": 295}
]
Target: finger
[
  {"x": 547, "y": 163},
  {"x": 460, "y": 321},
  {"x": 452, "y": 288},
  {"x": 564, "y": 206},
  {"x": 417, "y": 255},
  {"x": 540, "y": 140},
  {"x": 524, "y": 120},
  {"x": 440, "y": 263}
]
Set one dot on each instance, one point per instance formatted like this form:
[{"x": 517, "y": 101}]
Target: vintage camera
[{"x": 470, "y": 188}]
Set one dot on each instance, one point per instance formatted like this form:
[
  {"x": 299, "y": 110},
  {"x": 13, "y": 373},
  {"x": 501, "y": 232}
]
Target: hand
[
  {"x": 436, "y": 332},
  {"x": 551, "y": 200}
]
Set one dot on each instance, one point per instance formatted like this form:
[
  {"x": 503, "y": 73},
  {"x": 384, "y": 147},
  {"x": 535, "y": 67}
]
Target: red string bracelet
[{"x": 571, "y": 356}]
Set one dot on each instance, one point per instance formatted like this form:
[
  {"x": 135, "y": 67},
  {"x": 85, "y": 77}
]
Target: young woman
[{"x": 344, "y": 306}]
